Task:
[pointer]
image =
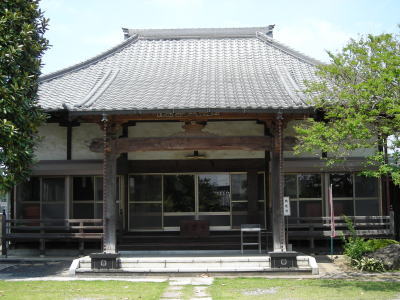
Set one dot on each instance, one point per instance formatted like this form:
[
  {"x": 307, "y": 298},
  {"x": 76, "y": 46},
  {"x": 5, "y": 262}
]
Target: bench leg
[
  {"x": 42, "y": 247},
  {"x": 4, "y": 247},
  {"x": 312, "y": 245},
  {"x": 81, "y": 246}
]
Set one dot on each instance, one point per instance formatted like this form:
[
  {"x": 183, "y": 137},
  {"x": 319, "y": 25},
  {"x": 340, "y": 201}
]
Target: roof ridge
[
  {"x": 198, "y": 32},
  {"x": 288, "y": 50},
  {"x": 89, "y": 61}
]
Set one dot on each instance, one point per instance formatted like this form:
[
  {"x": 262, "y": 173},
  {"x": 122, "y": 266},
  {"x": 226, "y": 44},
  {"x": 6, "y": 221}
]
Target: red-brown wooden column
[
  {"x": 109, "y": 186},
  {"x": 278, "y": 223}
]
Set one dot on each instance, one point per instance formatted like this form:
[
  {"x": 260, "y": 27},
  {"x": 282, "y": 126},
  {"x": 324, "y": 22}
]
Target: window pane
[
  {"x": 179, "y": 193},
  {"x": 83, "y": 188},
  {"x": 145, "y": 216},
  {"x": 83, "y": 210},
  {"x": 239, "y": 213},
  {"x": 293, "y": 211},
  {"x": 214, "y": 193},
  {"x": 260, "y": 187},
  {"x": 98, "y": 210},
  {"x": 145, "y": 188},
  {"x": 99, "y": 188},
  {"x": 367, "y": 207},
  {"x": 343, "y": 207},
  {"x": 53, "y": 190},
  {"x": 342, "y": 185},
  {"x": 175, "y": 221},
  {"x": 310, "y": 186},
  {"x": 29, "y": 211},
  {"x": 366, "y": 186},
  {"x": 310, "y": 208},
  {"x": 239, "y": 186},
  {"x": 290, "y": 186},
  {"x": 29, "y": 190},
  {"x": 217, "y": 220},
  {"x": 53, "y": 211}
]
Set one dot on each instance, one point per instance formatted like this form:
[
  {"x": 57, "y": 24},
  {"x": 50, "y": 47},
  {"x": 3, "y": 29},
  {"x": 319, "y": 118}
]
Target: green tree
[
  {"x": 22, "y": 26},
  {"x": 357, "y": 97}
]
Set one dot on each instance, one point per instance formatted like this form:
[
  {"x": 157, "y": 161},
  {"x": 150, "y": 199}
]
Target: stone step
[
  {"x": 189, "y": 265},
  {"x": 191, "y": 270},
  {"x": 203, "y": 259},
  {"x": 188, "y": 262}
]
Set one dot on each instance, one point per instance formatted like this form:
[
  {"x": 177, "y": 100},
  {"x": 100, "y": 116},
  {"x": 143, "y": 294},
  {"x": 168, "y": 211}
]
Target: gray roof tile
[{"x": 189, "y": 69}]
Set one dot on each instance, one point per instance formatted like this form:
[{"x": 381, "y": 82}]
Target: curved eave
[
  {"x": 288, "y": 50},
  {"x": 303, "y": 110},
  {"x": 89, "y": 61}
]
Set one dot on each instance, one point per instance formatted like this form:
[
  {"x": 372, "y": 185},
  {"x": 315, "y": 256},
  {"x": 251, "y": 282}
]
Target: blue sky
[{"x": 80, "y": 29}]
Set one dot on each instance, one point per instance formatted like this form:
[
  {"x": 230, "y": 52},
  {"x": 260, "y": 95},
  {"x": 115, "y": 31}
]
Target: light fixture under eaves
[{"x": 196, "y": 155}]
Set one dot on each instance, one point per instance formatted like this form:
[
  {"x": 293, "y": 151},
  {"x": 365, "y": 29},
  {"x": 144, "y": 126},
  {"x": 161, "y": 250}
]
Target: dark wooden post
[
  {"x": 3, "y": 234},
  {"x": 109, "y": 184},
  {"x": 278, "y": 224}
]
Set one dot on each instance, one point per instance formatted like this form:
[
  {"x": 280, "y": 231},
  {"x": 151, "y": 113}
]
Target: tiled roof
[{"x": 232, "y": 69}]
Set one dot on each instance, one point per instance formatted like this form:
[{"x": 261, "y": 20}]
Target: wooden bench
[
  {"x": 43, "y": 230},
  {"x": 320, "y": 227}
]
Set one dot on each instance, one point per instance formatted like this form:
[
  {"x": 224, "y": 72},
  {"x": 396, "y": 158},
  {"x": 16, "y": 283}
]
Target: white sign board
[
  {"x": 4, "y": 202},
  {"x": 286, "y": 206}
]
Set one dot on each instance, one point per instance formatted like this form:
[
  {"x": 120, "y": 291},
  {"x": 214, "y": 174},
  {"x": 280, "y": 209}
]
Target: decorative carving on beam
[{"x": 193, "y": 129}]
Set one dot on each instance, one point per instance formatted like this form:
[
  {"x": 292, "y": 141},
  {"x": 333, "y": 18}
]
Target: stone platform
[{"x": 192, "y": 262}]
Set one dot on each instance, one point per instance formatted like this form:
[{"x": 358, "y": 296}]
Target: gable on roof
[{"x": 231, "y": 69}]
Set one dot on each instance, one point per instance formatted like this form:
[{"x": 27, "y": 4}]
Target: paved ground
[
  {"x": 35, "y": 269},
  {"x": 196, "y": 284},
  {"x": 53, "y": 269}
]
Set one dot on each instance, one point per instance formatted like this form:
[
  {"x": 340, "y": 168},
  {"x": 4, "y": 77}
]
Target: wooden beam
[
  {"x": 193, "y": 116},
  {"x": 250, "y": 143}
]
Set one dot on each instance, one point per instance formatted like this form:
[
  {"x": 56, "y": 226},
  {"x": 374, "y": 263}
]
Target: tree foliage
[
  {"x": 22, "y": 44},
  {"x": 358, "y": 95}
]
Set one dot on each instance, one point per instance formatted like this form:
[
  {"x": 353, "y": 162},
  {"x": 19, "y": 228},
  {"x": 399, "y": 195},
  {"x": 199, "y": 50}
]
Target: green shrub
[
  {"x": 354, "y": 246},
  {"x": 368, "y": 264},
  {"x": 376, "y": 244}
]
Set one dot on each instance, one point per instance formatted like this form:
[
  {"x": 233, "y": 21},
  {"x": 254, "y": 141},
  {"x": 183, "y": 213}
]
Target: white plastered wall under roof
[{"x": 53, "y": 143}]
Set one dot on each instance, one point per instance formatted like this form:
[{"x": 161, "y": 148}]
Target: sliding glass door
[
  {"x": 179, "y": 201},
  {"x": 214, "y": 203},
  {"x": 163, "y": 201}
]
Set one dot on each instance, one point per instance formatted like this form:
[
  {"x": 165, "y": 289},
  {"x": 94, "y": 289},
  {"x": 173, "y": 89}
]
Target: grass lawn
[
  {"x": 81, "y": 290},
  {"x": 294, "y": 289}
]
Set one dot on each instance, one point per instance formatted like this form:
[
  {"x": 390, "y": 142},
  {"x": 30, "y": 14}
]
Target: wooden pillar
[
  {"x": 109, "y": 192},
  {"x": 278, "y": 224}
]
